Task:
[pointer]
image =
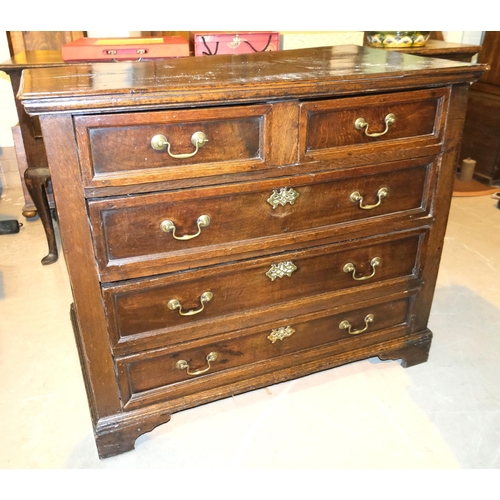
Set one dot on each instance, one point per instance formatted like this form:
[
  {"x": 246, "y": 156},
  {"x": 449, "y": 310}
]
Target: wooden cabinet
[
  {"x": 481, "y": 140},
  {"x": 301, "y": 230},
  {"x": 22, "y": 41}
]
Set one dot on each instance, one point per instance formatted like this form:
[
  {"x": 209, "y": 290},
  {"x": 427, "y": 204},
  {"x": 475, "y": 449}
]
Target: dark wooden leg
[
  {"x": 413, "y": 353},
  {"x": 36, "y": 181}
]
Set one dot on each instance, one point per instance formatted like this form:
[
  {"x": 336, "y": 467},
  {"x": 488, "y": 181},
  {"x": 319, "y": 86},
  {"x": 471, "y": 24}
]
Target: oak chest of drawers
[{"x": 235, "y": 221}]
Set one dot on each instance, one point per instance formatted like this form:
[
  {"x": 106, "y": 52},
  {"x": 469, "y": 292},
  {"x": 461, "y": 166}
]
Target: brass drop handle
[
  {"x": 160, "y": 142},
  {"x": 361, "y": 124},
  {"x": 345, "y": 325},
  {"x": 349, "y": 268},
  {"x": 175, "y": 304},
  {"x": 357, "y": 198},
  {"x": 182, "y": 364},
  {"x": 167, "y": 226}
]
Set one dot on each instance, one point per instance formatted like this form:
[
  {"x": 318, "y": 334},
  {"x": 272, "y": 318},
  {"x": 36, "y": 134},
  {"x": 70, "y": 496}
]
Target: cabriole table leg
[{"x": 36, "y": 181}]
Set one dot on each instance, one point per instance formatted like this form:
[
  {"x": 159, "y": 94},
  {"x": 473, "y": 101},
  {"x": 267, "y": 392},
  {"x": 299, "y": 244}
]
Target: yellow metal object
[
  {"x": 349, "y": 268},
  {"x": 282, "y": 197},
  {"x": 167, "y": 226},
  {"x": 281, "y": 269},
  {"x": 175, "y": 304},
  {"x": 361, "y": 124},
  {"x": 345, "y": 325},
  {"x": 182, "y": 364},
  {"x": 357, "y": 198},
  {"x": 160, "y": 142},
  {"x": 280, "y": 333}
]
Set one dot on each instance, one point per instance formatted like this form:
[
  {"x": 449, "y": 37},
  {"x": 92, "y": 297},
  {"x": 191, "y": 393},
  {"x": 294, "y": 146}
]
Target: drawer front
[
  {"x": 124, "y": 149},
  {"x": 369, "y": 124},
  {"x": 181, "y": 305},
  {"x": 160, "y": 232},
  {"x": 185, "y": 367}
]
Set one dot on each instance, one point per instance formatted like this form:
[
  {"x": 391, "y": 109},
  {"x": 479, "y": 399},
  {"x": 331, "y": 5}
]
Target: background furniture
[
  {"x": 444, "y": 50},
  {"x": 36, "y": 177},
  {"x": 22, "y": 41},
  {"x": 481, "y": 140},
  {"x": 436, "y": 46},
  {"x": 306, "y": 233},
  {"x": 31, "y": 49}
]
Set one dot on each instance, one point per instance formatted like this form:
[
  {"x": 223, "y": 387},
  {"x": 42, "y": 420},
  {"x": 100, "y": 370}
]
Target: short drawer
[
  {"x": 182, "y": 369},
  {"x": 371, "y": 124},
  {"x": 131, "y": 148},
  {"x": 188, "y": 304},
  {"x": 157, "y": 233}
]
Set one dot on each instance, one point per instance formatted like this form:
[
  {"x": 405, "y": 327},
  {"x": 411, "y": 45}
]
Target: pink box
[
  {"x": 224, "y": 42},
  {"x": 124, "y": 49}
]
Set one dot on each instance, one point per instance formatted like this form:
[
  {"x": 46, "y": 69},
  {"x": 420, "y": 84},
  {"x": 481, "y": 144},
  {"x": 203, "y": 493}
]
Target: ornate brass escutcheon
[
  {"x": 280, "y": 333},
  {"x": 361, "y": 124},
  {"x": 281, "y": 269},
  {"x": 167, "y": 226},
  {"x": 349, "y": 268},
  {"x": 345, "y": 325},
  {"x": 160, "y": 142},
  {"x": 182, "y": 364},
  {"x": 357, "y": 198},
  {"x": 175, "y": 304},
  {"x": 282, "y": 197}
]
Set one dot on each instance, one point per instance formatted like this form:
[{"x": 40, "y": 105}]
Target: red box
[
  {"x": 125, "y": 49},
  {"x": 224, "y": 42}
]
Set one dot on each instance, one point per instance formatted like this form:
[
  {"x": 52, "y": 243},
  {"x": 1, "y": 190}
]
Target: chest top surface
[{"x": 338, "y": 70}]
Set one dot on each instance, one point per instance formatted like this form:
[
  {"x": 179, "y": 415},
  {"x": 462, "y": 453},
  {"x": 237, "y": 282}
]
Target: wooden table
[
  {"x": 442, "y": 50},
  {"x": 36, "y": 176}
]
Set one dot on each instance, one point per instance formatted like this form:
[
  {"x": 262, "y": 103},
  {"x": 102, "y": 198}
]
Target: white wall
[{"x": 469, "y": 37}]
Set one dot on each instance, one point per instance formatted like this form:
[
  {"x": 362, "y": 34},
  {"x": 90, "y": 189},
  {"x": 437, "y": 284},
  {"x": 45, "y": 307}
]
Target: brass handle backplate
[
  {"x": 345, "y": 325},
  {"x": 175, "y": 304},
  {"x": 167, "y": 226},
  {"x": 160, "y": 142},
  {"x": 357, "y": 198},
  {"x": 361, "y": 124},
  {"x": 182, "y": 364},
  {"x": 349, "y": 268}
]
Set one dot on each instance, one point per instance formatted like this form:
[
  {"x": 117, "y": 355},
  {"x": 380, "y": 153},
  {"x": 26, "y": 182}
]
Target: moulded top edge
[{"x": 290, "y": 73}]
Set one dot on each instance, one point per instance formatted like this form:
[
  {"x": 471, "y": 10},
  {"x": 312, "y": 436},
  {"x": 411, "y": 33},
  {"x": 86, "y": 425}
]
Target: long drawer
[
  {"x": 156, "y": 233},
  {"x": 183, "y": 369},
  {"x": 203, "y": 302}
]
